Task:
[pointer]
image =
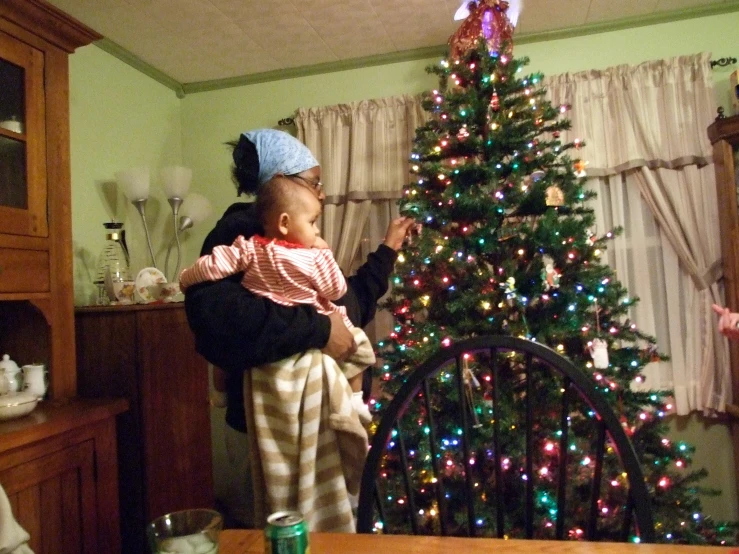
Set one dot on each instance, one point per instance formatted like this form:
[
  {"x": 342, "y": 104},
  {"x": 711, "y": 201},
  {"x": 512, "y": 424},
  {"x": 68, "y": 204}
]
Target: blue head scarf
[{"x": 279, "y": 152}]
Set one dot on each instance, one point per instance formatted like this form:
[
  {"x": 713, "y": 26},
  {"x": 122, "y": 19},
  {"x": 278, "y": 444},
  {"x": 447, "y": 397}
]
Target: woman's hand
[
  {"x": 728, "y": 322},
  {"x": 397, "y": 231},
  {"x": 340, "y": 343}
]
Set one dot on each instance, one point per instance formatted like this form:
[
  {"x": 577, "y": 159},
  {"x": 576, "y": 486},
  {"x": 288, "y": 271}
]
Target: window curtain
[
  {"x": 364, "y": 150},
  {"x": 650, "y": 163}
]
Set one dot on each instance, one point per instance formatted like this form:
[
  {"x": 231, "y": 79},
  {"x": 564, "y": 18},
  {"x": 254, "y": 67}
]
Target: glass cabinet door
[{"x": 22, "y": 140}]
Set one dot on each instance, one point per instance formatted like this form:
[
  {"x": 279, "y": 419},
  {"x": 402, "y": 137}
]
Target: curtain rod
[{"x": 721, "y": 62}]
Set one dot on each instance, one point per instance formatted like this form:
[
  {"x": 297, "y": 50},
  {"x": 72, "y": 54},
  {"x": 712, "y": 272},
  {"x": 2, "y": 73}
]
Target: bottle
[{"x": 112, "y": 263}]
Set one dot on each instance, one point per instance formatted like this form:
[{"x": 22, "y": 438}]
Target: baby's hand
[
  {"x": 728, "y": 322},
  {"x": 320, "y": 243},
  {"x": 397, "y": 231}
]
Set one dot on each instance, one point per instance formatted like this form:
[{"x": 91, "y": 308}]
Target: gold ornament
[{"x": 555, "y": 196}]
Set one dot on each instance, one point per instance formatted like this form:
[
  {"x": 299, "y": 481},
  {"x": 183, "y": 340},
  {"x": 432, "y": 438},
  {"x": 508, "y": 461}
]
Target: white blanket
[{"x": 307, "y": 443}]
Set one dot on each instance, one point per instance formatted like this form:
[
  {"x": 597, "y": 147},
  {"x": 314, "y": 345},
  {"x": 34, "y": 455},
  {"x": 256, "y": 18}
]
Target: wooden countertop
[
  {"x": 52, "y": 417},
  {"x": 250, "y": 541},
  {"x": 158, "y": 305}
]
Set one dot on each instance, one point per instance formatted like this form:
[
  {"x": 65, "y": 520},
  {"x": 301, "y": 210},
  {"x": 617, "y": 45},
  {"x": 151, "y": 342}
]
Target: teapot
[{"x": 10, "y": 369}]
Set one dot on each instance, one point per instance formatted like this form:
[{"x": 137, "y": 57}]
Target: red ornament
[
  {"x": 487, "y": 396},
  {"x": 487, "y": 20},
  {"x": 495, "y": 102}
]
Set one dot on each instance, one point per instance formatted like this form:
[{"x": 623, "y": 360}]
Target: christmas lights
[{"x": 508, "y": 247}]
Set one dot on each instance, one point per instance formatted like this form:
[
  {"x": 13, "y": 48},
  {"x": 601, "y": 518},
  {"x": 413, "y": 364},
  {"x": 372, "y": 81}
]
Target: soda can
[{"x": 286, "y": 533}]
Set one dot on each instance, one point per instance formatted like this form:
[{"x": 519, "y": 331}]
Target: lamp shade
[
  {"x": 176, "y": 181},
  {"x": 135, "y": 183},
  {"x": 195, "y": 208}
]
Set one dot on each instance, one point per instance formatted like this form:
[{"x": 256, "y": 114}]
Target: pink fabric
[{"x": 286, "y": 273}]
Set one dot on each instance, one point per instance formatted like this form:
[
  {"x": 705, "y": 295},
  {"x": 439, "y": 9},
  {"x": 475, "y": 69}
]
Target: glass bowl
[{"x": 185, "y": 532}]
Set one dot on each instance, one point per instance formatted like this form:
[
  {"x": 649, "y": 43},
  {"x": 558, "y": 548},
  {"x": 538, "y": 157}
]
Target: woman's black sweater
[{"x": 236, "y": 330}]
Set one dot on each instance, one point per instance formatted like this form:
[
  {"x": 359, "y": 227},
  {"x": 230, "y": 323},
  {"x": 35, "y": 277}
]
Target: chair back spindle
[{"x": 480, "y": 463}]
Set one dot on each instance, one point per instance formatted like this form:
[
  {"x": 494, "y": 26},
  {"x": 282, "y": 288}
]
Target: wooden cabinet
[
  {"x": 58, "y": 464},
  {"x": 724, "y": 136},
  {"x": 58, "y": 467},
  {"x": 36, "y": 284},
  {"x": 22, "y": 139},
  {"x": 147, "y": 354}
]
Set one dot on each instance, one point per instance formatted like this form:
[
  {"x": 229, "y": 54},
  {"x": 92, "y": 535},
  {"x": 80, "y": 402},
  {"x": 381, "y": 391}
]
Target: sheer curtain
[
  {"x": 650, "y": 162},
  {"x": 363, "y": 148}
]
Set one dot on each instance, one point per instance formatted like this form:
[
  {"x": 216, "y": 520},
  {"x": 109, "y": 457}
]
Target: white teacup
[
  {"x": 166, "y": 292},
  {"x": 124, "y": 291},
  {"x": 170, "y": 292},
  {"x": 34, "y": 379}
]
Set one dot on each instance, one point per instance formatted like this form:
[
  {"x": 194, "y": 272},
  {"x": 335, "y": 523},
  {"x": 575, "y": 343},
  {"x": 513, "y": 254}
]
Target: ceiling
[{"x": 197, "y": 41}]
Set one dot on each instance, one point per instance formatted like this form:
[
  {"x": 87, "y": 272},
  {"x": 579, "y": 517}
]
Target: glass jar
[{"x": 112, "y": 265}]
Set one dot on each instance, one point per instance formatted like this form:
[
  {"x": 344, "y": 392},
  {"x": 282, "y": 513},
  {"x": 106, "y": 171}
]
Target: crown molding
[
  {"x": 317, "y": 69},
  {"x": 48, "y": 22},
  {"x": 137, "y": 63},
  {"x": 630, "y": 23}
]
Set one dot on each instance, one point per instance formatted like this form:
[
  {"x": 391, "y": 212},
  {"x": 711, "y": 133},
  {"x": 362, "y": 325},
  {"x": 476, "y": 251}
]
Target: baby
[{"x": 291, "y": 264}]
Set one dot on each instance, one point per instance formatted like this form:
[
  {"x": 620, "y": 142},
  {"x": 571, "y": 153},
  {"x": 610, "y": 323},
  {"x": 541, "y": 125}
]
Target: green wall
[{"x": 121, "y": 118}]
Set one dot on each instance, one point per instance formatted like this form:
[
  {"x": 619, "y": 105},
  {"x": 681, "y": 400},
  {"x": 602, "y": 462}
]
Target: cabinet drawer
[{"x": 24, "y": 270}]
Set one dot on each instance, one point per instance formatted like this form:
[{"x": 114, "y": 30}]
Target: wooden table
[{"x": 250, "y": 541}]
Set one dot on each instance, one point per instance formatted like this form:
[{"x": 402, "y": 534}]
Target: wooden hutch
[
  {"x": 724, "y": 136},
  {"x": 58, "y": 465}
]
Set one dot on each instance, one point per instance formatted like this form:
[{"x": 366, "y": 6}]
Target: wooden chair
[{"x": 479, "y": 430}]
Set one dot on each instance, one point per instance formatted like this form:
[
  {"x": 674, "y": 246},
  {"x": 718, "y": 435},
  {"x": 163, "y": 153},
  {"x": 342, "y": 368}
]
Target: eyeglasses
[{"x": 315, "y": 184}]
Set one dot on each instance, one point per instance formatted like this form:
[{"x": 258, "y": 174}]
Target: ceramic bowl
[{"x": 16, "y": 404}]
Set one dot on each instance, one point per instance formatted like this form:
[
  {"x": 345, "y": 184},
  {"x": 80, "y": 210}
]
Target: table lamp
[
  {"x": 135, "y": 184},
  {"x": 194, "y": 209}
]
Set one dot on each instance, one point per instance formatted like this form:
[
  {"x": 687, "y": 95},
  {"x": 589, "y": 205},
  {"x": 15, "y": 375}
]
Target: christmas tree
[{"x": 508, "y": 246}]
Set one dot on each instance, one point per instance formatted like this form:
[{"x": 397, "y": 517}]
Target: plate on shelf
[{"x": 145, "y": 281}]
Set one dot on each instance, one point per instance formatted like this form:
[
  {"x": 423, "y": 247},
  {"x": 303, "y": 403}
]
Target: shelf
[
  {"x": 129, "y": 307},
  {"x": 54, "y": 417}
]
